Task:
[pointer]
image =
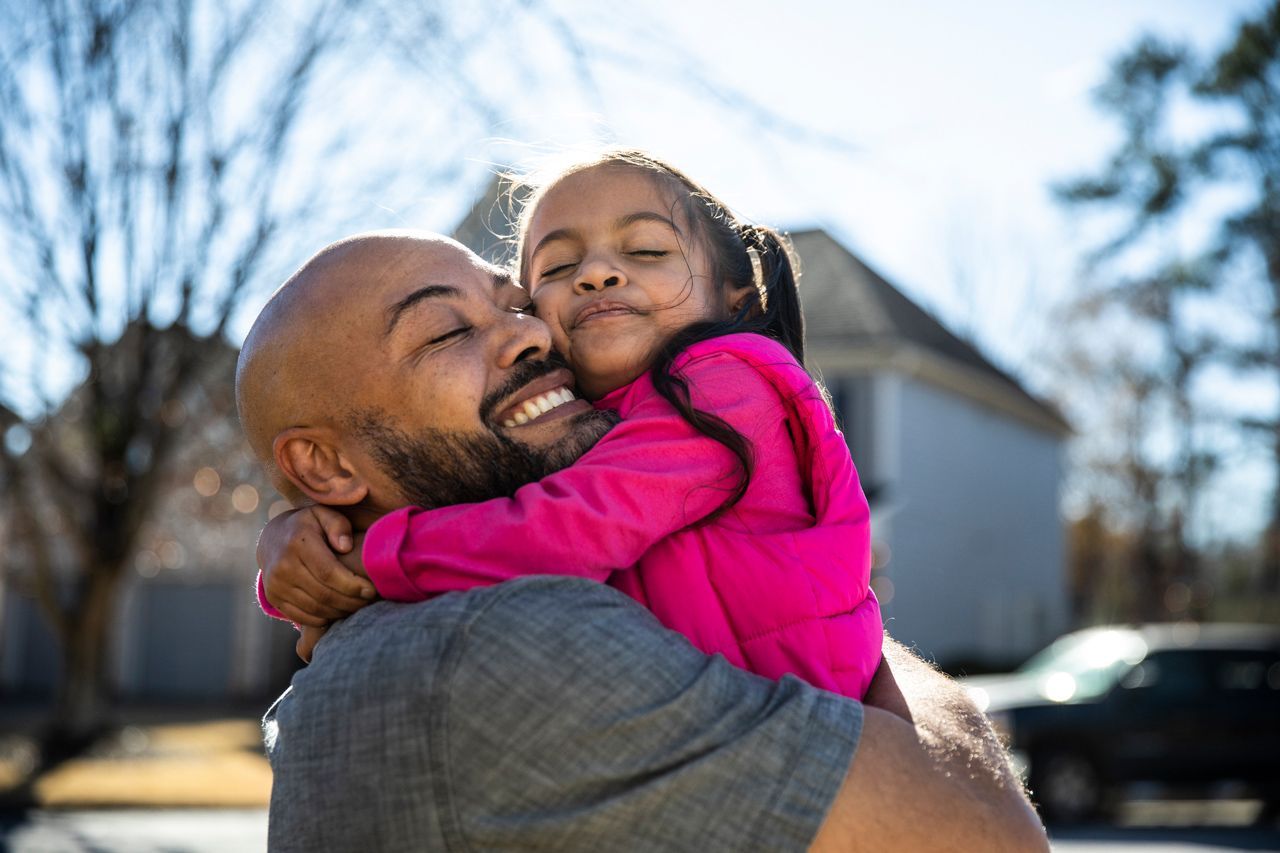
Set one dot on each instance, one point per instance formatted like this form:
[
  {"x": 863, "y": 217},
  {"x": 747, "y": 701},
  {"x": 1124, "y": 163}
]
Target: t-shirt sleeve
[
  {"x": 573, "y": 720},
  {"x": 652, "y": 475}
]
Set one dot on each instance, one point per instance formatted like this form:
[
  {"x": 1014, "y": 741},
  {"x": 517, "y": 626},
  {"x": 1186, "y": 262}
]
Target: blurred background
[{"x": 1041, "y": 266}]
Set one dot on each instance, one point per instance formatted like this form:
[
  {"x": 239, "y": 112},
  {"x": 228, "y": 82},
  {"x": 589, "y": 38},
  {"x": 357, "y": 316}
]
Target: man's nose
[
  {"x": 521, "y": 337},
  {"x": 597, "y": 275}
]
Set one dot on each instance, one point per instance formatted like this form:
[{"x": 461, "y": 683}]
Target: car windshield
[{"x": 1084, "y": 665}]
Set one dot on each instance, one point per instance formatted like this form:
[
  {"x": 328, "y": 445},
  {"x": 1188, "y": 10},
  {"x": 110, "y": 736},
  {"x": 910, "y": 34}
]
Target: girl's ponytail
[{"x": 779, "y": 296}]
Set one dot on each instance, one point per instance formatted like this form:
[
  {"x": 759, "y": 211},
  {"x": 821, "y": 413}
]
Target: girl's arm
[{"x": 652, "y": 475}]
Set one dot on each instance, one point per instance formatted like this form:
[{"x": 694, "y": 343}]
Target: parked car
[{"x": 1192, "y": 707}]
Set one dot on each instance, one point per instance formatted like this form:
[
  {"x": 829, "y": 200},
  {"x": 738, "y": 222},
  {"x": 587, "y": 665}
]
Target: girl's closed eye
[{"x": 555, "y": 270}]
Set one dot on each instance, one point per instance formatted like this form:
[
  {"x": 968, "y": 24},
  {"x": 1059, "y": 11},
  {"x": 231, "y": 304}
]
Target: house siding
[
  {"x": 974, "y": 536},
  {"x": 202, "y": 640}
]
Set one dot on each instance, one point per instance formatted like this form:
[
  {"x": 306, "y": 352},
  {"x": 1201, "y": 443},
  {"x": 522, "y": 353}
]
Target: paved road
[
  {"x": 1165, "y": 840},
  {"x": 136, "y": 831},
  {"x": 245, "y": 831}
]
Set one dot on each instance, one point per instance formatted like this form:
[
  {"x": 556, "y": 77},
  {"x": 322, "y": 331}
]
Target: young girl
[{"x": 725, "y": 500}]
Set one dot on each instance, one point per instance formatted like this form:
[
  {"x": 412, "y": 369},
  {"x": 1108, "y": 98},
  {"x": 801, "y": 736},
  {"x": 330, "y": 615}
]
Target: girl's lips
[{"x": 601, "y": 310}]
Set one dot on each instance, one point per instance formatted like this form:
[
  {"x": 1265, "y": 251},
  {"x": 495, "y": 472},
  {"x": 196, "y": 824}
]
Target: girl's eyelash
[{"x": 645, "y": 253}]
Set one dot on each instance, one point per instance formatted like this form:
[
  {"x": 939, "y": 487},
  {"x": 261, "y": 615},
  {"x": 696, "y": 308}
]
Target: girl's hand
[
  {"x": 302, "y": 575},
  {"x": 307, "y": 642}
]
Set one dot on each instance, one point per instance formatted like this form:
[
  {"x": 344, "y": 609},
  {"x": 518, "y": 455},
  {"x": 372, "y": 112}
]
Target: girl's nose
[{"x": 597, "y": 276}]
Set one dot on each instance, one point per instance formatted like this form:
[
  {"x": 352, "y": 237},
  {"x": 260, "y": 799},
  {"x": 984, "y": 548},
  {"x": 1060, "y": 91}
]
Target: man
[{"x": 547, "y": 713}]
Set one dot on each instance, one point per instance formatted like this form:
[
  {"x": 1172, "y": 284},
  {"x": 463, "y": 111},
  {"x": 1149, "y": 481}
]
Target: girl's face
[{"x": 614, "y": 271}]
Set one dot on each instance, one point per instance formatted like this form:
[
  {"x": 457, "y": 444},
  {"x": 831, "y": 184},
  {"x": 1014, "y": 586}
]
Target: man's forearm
[
  {"x": 929, "y": 773},
  {"x": 944, "y": 716},
  {"x": 957, "y": 737}
]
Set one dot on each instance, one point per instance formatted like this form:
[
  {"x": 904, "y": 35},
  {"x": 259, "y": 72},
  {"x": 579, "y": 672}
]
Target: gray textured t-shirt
[{"x": 545, "y": 714}]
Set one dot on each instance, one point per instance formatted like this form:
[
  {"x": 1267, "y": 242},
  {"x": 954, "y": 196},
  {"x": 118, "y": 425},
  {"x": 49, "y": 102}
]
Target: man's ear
[{"x": 313, "y": 461}]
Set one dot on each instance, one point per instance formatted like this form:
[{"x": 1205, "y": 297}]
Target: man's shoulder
[
  {"x": 520, "y": 607},
  {"x": 426, "y": 656},
  {"x": 541, "y": 603}
]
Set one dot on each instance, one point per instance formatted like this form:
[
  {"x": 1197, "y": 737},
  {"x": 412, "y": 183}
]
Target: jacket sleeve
[
  {"x": 267, "y": 607},
  {"x": 652, "y": 475}
]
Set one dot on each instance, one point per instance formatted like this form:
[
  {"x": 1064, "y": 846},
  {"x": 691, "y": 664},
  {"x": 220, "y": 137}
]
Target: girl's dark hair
[{"x": 743, "y": 257}]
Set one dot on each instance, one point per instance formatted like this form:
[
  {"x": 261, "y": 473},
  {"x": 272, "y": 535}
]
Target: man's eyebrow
[
  {"x": 395, "y": 312},
  {"x": 502, "y": 278},
  {"x": 618, "y": 224}
]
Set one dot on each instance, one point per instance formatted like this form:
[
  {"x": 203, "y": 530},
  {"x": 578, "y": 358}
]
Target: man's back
[{"x": 545, "y": 713}]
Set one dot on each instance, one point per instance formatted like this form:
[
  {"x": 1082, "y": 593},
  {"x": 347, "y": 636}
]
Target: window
[{"x": 855, "y": 407}]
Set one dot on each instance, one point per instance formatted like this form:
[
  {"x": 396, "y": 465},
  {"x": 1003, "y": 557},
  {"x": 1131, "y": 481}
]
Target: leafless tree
[
  {"x": 1159, "y": 178},
  {"x": 140, "y": 163},
  {"x": 1140, "y": 461}
]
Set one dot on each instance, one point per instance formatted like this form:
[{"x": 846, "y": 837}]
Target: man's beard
[{"x": 436, "y": 468}]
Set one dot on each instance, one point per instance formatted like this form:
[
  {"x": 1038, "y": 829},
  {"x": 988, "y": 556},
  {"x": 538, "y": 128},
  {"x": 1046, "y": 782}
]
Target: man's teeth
[{"x": 539, "y": 405}]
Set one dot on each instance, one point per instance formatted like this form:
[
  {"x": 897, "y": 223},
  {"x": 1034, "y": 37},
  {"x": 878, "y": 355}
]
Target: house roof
[
  {"x": 488, "y": 228},
  {"x": 854, "y": 318}
]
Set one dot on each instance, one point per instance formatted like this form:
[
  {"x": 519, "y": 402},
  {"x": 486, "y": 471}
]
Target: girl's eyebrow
[
  {"x": 646, "y": 216},
  {"x": 552, "y": 236},
  {"x": 618, "y": 224}
]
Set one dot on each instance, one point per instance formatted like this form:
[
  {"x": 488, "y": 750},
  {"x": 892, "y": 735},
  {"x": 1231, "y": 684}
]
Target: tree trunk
[
  {"x": 1270, "y": 581},
  {"x": 84, "y": 691},
  {"x": 1148, "y": 601}
]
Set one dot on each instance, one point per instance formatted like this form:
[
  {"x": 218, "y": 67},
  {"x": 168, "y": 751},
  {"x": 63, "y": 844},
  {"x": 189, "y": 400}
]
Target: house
[{"x": 960, "y": 463}]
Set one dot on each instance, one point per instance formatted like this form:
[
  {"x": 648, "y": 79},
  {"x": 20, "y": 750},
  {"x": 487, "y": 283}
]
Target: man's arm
[{"x": 929, "y": 773}]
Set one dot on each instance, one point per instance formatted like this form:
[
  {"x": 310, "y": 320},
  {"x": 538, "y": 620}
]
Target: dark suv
[{"x": 1188, "y": 706}]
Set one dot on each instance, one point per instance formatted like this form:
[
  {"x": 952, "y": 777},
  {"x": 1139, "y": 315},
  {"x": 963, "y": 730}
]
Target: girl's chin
[
  {"x": 602, "y": 365},
  {"x": 597, "y": 379}
]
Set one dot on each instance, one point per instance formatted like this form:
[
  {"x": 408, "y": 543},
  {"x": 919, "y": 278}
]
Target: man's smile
[
  {"x": 547, "y": 397},
  {"x": 537, "y": 406}
]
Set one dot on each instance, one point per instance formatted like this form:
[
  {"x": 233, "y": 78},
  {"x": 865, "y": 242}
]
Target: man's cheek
[
  {"x": 447, "y": 399},
  {"x": 560, "y": 341}
]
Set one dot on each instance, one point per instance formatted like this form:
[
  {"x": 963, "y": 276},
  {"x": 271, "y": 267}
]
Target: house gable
[{"x": 857, "y": 322}]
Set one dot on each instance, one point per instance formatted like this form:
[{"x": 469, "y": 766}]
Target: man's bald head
[{"x": 304, "y": 356}]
